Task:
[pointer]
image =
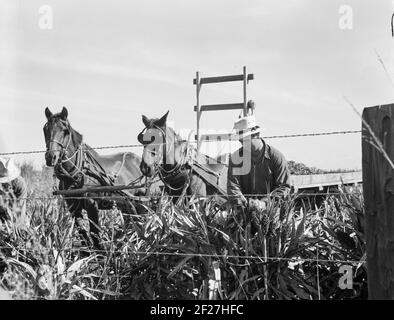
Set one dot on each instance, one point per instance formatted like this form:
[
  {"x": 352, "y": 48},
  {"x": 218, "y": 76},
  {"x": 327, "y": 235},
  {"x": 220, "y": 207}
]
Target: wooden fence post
[{"x": 378, "y": 188}]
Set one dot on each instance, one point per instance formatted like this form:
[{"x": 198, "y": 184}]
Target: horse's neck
[
  {"x": 176, "y": 151},
  {"x": 72, "y": 154},
  {"x": 93, "y": 152}
]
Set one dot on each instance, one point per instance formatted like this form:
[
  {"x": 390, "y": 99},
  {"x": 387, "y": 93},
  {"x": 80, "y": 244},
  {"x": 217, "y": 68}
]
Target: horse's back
[
  {"x": 213, "y": 171},
  {"x": 124, "y": 166}
]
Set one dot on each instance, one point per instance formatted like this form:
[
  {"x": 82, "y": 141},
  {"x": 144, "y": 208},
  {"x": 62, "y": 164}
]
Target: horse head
[
  {"x": 154, "y": 138},
  {"x": 164, "y": 150},
  {"x": 60, "y": 138}
]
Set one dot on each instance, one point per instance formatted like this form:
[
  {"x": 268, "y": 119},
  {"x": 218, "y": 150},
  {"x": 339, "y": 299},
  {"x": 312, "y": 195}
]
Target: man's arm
[
  {"x": 234, "y": 188},
  {"x": 281, "y": 172}
]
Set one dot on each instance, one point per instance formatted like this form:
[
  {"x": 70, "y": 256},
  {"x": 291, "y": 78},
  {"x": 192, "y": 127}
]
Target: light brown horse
[
  {"x": 180, "y": 166},
  {"x": 77, "y": 165}
]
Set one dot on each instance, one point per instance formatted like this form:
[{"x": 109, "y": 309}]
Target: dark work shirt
[{"x": 268, "y": 173}]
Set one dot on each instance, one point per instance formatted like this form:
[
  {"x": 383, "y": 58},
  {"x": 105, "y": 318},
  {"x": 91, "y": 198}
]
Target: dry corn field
[{"x": 172, "y": 252}]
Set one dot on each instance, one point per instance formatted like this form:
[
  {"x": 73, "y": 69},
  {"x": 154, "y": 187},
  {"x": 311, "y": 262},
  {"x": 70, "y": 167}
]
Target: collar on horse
[
  {"x": 181, "y": 170},
  {"x": 76, "y": 174}
]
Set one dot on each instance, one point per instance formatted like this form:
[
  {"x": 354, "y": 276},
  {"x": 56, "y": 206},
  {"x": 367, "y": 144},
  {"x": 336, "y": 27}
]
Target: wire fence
[
  {"x": 206, "y": 255},
  {"x": 168, "y": 196},
  {"x": 194, "y": 141}
]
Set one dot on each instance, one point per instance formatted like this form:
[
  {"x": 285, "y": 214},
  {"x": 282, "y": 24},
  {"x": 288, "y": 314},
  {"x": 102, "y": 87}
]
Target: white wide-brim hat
[
  {"x": 8, "y": 170},
  {"x": 245, "y": 126}
]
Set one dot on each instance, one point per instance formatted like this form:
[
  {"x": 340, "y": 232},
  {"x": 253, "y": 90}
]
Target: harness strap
[
  {"x": 121, "y": 166},
  {"x": 98, "y": 171},
  {"x": 85, "y": 165},
  {"x": 179, "y": 171},
  {"x": 187, "y": 166},
  {"x": 206, "y": 175}
]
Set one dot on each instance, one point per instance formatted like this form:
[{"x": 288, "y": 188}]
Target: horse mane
[
  {"x": 76, "y": 136},
  {"x": 177, "y": 137}
]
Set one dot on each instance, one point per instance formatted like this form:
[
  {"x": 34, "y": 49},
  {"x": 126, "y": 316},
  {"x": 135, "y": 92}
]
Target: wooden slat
[
  {"x": 197, "y": 107},
  {"x": 378, "y": 188},
  {"x": 238, "y": 77},
  {"x": 217, "y": 107},
  {"x": 244, "y": 85}
]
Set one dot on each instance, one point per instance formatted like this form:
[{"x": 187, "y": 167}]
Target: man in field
[
  {"x": 256, "y": 168},
  {"x": 13, "y": 191}
]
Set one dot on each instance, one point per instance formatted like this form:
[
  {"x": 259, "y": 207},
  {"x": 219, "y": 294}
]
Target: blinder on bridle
[
  {"x": 151, "y": 141},
  {"x": 145, "y": 141},
  {"x": 141, "y": 138}
]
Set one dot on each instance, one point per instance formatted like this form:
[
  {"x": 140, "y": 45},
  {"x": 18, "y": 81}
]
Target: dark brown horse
[
  {"x": 77, "y": 165},
  {"x": 180, "y": 166}
]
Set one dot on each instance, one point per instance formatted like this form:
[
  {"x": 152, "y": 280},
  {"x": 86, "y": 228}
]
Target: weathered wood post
[{"x": 378, "y": 188}]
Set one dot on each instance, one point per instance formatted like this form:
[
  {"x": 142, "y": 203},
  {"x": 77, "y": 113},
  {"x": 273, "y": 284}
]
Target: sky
[{"x": 109, "y": 62}]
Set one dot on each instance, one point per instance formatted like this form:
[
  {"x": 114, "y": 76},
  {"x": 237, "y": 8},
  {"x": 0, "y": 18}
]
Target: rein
[{"x": 77, "y": 166}]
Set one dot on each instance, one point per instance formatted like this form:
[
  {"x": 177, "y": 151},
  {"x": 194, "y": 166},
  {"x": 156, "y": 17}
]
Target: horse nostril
[
  {"x": 143, "y": 169},
  {"x": 51, "y": 158},
  {"x": 146, "y": 170},
  {"x": 54, "y": 159},
  {"x": 48, "y": 159}
]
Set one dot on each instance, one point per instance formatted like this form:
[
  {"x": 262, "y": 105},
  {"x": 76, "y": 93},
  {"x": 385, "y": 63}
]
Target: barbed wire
[
  {"x": 313, "y": 134},
  {"x": 205, "y": 255},
  {"x": 193, "y": 141},
  {"x": 298, "y": 194}
]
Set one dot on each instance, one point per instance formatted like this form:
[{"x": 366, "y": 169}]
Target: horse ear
[
  {"x": 48, "y": 113},
  {"x": 162, "y": 121},
  {"x": 146, "y": 121},
  {"x": 64, "y": 113}
]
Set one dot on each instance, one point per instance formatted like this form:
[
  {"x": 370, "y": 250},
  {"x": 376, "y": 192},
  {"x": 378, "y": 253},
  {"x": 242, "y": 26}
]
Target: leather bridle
[
  {"x": 77, "y": 165},
  {"x": 177, "y": 171}
]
